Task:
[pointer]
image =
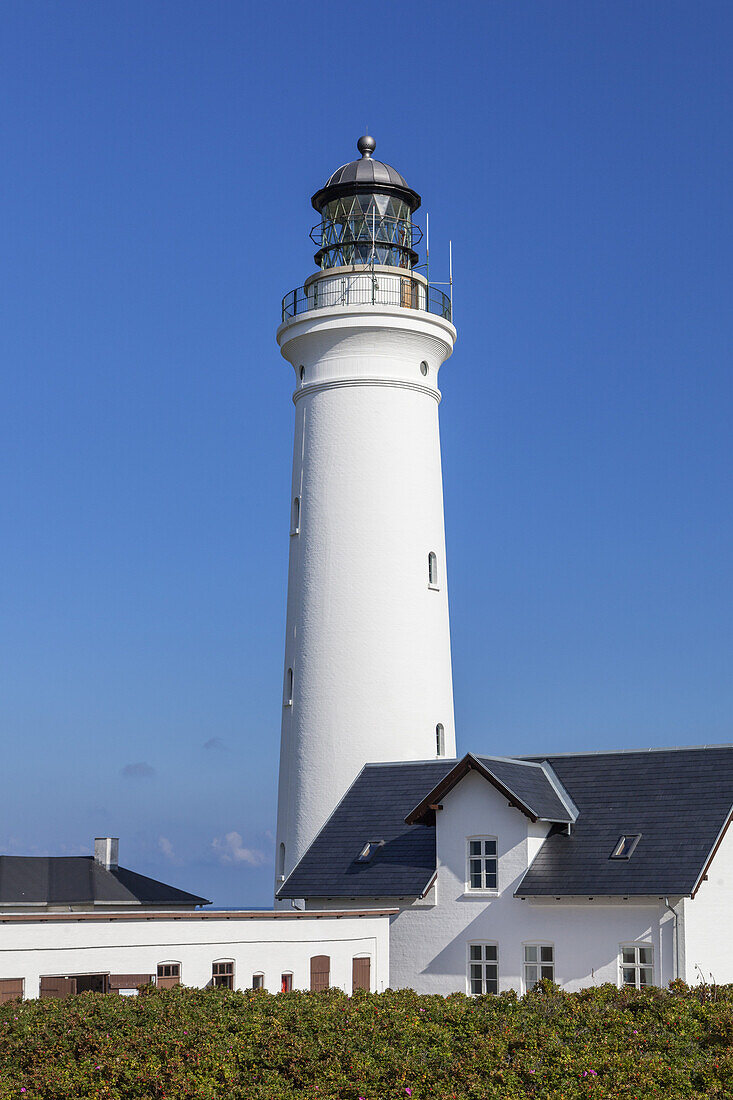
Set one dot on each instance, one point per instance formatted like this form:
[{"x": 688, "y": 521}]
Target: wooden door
[
  {"x": 10, "y": 989},
  {"x": 58, "y": 987},
  {"x": 361, "y": 974},
  {"x": 320, "y": 973}
]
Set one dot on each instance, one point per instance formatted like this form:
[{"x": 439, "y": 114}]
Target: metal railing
[{"x": 367, "y": 289}]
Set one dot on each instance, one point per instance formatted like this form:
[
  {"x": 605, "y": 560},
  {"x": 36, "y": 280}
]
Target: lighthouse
[{"x": 367, "y": 673}]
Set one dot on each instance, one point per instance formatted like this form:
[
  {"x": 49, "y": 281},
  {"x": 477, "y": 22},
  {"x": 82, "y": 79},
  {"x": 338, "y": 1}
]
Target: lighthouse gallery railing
[{"x": 367, "y": 289}]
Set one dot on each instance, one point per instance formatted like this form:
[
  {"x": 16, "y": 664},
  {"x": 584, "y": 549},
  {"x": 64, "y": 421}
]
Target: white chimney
[{"x": 106, "y": 851}]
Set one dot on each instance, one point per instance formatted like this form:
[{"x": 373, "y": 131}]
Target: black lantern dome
[{"x": 366, "y": 210}]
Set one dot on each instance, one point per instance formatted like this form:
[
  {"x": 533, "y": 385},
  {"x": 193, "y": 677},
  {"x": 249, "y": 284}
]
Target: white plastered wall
[
  {"x": 707, "y": 944},
  {"x": 256, "y": 943},
  {"x": 429, "y": 946}
]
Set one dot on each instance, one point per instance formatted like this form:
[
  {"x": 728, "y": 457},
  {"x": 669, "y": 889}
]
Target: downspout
[{"x": 673, "y": 911}]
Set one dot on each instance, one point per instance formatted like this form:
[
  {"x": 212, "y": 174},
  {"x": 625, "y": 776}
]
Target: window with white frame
[
  {"x": 539, "y": 962},
  {"x": 637, "y": 966},
  {"x": 483, "y": 968},
  {"x": 482, "y": 863},
  {"x": 258, "y": 981}
]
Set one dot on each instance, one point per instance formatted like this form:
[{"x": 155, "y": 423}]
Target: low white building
[{"x": 55, "y": 955}]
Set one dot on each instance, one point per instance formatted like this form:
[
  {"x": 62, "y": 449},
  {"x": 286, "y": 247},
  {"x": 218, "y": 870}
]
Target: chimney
[{"x": 106, "y": 851}]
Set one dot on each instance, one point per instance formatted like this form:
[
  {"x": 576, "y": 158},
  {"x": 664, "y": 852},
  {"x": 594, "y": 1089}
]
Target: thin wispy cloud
[
  {"x": 166, "y": 848},
  {"x": 215, "y": 744},
  {"x": 139, "y": 770},
  {"x": 230, "y": 849}
]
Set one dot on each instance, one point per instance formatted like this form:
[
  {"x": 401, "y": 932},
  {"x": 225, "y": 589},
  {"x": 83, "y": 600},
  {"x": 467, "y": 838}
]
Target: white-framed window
[
  {"x": 295, "y": 518},
  {"x": 432, "y": 570},
  {"x": 286, "y": 982},
  {"x": 483, "y": 968},
  {"x": 258, "y": 981},
  {"x": 481, "y": 864},
  {"x": 288, "y": 693},
  {"x": 637, "y": 965},
  {"x": 539, "y": 962},
  {"x": 440, "y": 739}
]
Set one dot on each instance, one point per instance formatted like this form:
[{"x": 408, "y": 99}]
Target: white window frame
[
  {"x": 484, "y": 963},
  {"x": 233, "y": 975},
  {"x": 486, "y": 891},
  {"x": 258, "y": 974},
  {"x": 637, "y": 966},
  {"x": 538, "y": 963}
]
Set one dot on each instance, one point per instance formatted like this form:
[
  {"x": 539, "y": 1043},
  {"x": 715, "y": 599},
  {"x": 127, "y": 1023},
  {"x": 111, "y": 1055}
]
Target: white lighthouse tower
[{"x": 367, "y": 651}]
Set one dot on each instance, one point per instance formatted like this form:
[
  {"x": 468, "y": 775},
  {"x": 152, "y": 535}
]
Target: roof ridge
[{"x": 626, "y": 752}]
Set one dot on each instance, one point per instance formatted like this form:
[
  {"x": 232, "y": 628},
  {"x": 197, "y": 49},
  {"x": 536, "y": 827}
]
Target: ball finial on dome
[{"x": 366, "y": 145}]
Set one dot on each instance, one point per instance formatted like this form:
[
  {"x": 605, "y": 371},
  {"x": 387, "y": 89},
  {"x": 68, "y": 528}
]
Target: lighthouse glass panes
[
  {"x": 365, "y": 229},
  {"x": 482, "y": 863},
  {"x": 483, "y": 968}
]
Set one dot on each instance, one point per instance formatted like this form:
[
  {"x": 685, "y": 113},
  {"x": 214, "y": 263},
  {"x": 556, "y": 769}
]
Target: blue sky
[{"x": 158, "y": 160}]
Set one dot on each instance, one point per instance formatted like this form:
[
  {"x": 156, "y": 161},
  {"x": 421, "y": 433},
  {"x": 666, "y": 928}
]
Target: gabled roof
[
  {"x": 532, "y": 787},
  {"x": 374, "y": 808},
  {"x": 80, "y": 880},
  {"x": 680, "y": 800}
]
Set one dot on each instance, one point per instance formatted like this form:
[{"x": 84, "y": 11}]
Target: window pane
[
  {"x": 530, "y": 976},
  {"x": 629, "y": 976},
  {"x": 530, "y": 953},
  {"x": 548, "y": 972},
  {"x": 491, "y": 952},
  {"x": 475, "y": 880},
  {"x": 546, "y": 954},
  {"x": 645, "y": 955},
  {"x": 490, "y": 847},
  {"x": 628, "y": 955},
  {"x": 474, "y": 847},
  {"x": 492, "y": 985},
  {"x": 475, "y": 950},
  {"x": 475, "y": 971},
  {"x": 491, "y": 880},
  {"x": 476, "y": 985},
  {"x": 645, "y": 975}
]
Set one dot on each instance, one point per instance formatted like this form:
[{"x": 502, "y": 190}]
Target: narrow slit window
[
  {"x": 432, "y": 570},
  {"x": 440, "y": 739},
  {"x": 288, "y": 700},
  {"x": 295, "y": 524},
  {"x": 281, "y": 861}
]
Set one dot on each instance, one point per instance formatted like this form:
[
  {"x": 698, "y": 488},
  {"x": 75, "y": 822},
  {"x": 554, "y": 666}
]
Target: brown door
[
  {"x": 361, "y": 974},
  {"x": 127, "y": 981},
  {"x": 320, "y": 973},
  {"x": 10, "y": 989},
  {"x": 58, "y": 987}
]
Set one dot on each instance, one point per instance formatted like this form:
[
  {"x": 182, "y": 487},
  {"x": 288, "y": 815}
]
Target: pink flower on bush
[{"x": 409, "y": 1092}]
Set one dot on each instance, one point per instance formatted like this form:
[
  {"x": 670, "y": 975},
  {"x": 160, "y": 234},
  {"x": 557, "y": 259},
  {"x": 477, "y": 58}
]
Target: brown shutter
[
  {"x": 361, "y": 971},
  {"x": 320, "y": 973},
  {"x": 168, "y": 983},
  {"x": 58, "y": 987},
  {"x": 128, "y": 981},
  {"x": 10, "y": 989}
]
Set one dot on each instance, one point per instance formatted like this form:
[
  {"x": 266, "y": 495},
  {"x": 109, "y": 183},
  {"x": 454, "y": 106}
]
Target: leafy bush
[{"x": 214, "y": 1044}]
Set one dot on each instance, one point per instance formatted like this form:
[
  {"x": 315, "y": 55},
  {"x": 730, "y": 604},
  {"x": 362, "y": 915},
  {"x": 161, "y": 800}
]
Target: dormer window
[
  {"x": 481, "y": 859},
  {"x": 369, "y": 850},
  {"x": 625, "y": 846}
]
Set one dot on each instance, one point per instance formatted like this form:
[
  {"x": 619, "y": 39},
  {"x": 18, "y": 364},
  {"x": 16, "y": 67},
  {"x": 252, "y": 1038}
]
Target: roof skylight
[
  {"x": 625, "y": 846},
  {"x": 369, "y": 851}
]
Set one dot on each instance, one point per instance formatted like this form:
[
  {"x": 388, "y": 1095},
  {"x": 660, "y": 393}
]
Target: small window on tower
[
  {"x": 432, "y": 570},
  {"x": 440, "y": 739},
  {"x": 302, "y": 373},
  {"x": 424, "y": 368},
  {"x": 288, "y": 700},
  {"x": 295, "y": 519},
  {"x": 281, "y": 861}
]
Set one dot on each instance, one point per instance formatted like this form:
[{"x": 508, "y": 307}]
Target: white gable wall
[
  {"x": 429, "y": 947},
  {"x": 706, "y": 942}
]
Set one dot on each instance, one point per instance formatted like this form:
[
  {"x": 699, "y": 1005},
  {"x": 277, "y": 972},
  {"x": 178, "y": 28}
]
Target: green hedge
[{"x": 215, "y": 1044}]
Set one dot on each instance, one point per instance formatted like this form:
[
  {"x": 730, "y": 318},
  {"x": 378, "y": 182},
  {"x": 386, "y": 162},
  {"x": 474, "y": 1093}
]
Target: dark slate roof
[
  {"x": 80, "y": 880},
  {"x": 678, "y": 799},
  {"x": 532, "y": 787},
  {"x": 374, "y": 808}
]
